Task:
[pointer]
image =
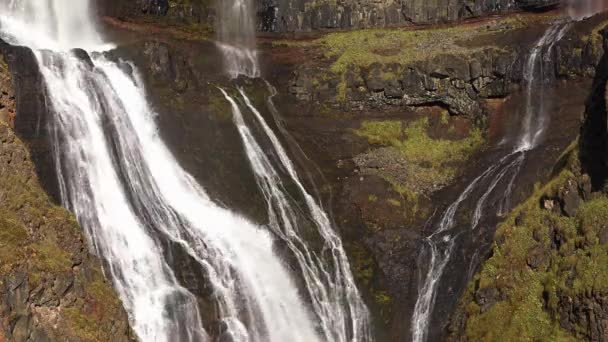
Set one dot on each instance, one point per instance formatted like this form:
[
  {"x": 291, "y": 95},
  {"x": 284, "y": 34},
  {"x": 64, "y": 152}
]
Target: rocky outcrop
[
  {"x": 310, "y": 15},
  {"x": 198, "y": 15},
  {"x": 286, "y": 16},
  {"x": 51, "y": 288},
  {"x": 7, "y": 94},
  {"x": 594, "y": 131},
  {"x": 458, "y": 83},
  {"x": 434, "y": 70},
  {"x": 585, "y": 315}
]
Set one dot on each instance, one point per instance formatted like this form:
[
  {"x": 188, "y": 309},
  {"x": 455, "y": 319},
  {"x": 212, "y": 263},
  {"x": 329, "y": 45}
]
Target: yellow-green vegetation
[
  {"x": 362, "y": 263},
  {"x": 352, "y": 50},
  {"x": 13, "y": 237},
  {"x": 3, "y": 65},
  {"x": 99, "y": 303},
  {"x": 595, "y": 38},
  {"x": 363, "y": 270},
  {"x": 44, "y": 241},
  {"x": 430, "y": 162},
  {"x": 220, "y": 108},
  {"x": 531, "y": 269},
  {"x": 49, "y": 257}
]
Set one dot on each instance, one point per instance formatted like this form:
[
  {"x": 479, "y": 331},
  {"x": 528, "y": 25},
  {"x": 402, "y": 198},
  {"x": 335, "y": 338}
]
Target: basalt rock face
[
  {"x": 186, "y": 13},
  {"x": 51, "y": 288},
  {"x": 457, "y": 75},
  {"x": 309, "y": 15},
  {"x": 7, "y": 94},
  {"x": 594, "y": 132},
  {"x": 285, "y": 16}
]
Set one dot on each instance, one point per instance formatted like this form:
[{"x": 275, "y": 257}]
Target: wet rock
[
  {"x": 570, "y": 199},
  {"x": 374, "y": 80},
  {"x": 83, "y": 56},
  {"x": 393, "y": 90},
  {"x": 585, "y": 315},
  {"x": 485, "y": 298},
  {"x": 536, "y": 258}
]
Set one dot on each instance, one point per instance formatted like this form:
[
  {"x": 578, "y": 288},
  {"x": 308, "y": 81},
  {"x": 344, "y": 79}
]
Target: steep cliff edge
[
  {"x": 51, "y": 288},
  {"x": 297, "y": 16},
  {"x": 547, "y": 274}
]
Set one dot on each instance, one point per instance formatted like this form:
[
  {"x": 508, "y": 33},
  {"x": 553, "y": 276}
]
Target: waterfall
[
  {"x": 133, "y": 199},
  {"x": 442, "y": 241},
  {"x": 580, "y": 9},
  {"x": 326, "y": 274},
  {"x": 236, "y": 38},
  {"x": 535, "y": 119}
]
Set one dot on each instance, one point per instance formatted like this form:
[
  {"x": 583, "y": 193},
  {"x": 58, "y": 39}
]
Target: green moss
[
  {"x": 578, "y": 266},
  {"x": 3, "y": 64},
  {"x": 13, "y": 236},
  {"x": 361, "y": 263},
  {"x": 394, "y": 202},
  {"x": 372, "y": 198},
  {"x": 99, "y": 304},
  {"x": 382, "y": 298},
  {"x": 433, "y": 160},
  {"x": 48, "y": 257},
  {"x": 220, "y": 108},
  {"x": 416, "y": 145},
  {"x": 81, "y": 324}
]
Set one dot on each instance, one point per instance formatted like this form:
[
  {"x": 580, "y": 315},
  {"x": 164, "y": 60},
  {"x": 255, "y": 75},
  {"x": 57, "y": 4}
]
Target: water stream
[
  {"x": 236, "y": 38},
  {"x": 442, "y": 241}
]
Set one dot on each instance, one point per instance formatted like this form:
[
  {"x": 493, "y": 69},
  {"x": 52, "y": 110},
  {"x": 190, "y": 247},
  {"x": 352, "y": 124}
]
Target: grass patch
[
  {"x": 433, "y": 161},
  {"x": 573, "y": 263}
]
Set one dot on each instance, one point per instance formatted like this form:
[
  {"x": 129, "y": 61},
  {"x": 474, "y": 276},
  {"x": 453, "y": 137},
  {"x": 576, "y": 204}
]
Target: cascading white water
[
  {"x": 580, "y": 9},
  {"x": 129, "y": 193},
  {"x": 535, "y": 119},
  {"x": 55, "y": 25},
  {"x": 236, "y": 38},
  {"x": 328, "y": 279},
  {"x": 442, "y": 241}
]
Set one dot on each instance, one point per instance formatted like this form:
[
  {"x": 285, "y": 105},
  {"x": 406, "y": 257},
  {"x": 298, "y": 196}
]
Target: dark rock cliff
[
  {"x": 285, "y": 16},
  {"x": 51, "y": 288}
]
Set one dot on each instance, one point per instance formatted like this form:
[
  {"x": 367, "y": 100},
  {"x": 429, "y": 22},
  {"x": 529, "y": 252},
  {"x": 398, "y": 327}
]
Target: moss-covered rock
[{"x": 547, "y": 277}]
